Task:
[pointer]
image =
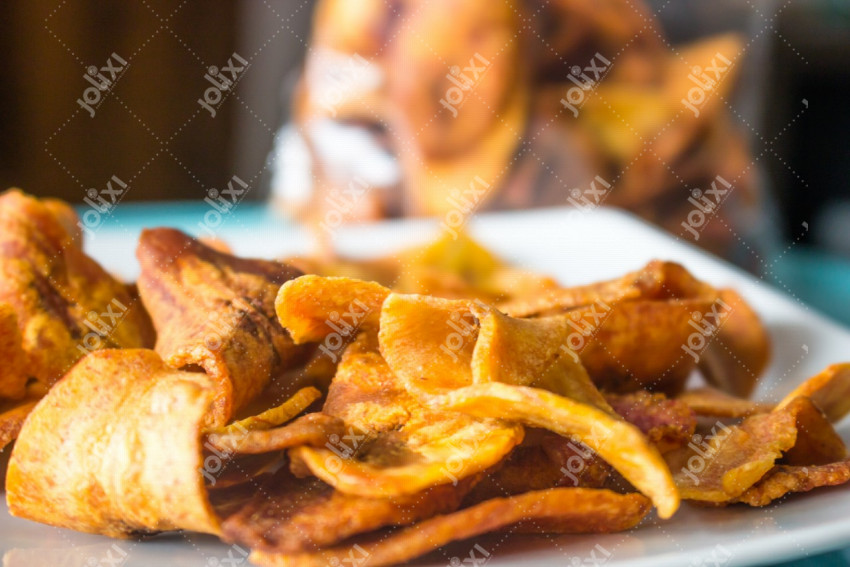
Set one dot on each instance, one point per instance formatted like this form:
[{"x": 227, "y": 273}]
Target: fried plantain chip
[
  {"x": 66, "y": 305},
  {"x": 312, "y": 429},
  {"x": 829, "y": 390},
  {"x": 710, "y": 402},
  {"x": 429, "y": 342},
  {"x": 292, "y": 515},
  {"x": 786, "y": 479},
  {"x": 722, "y": 466},
  {"x": 395, "y": 444},
  {"x": 740, "y": 350},
  {"x": 735, "y": 354},
  {"x": 621, "y": 444},
  {"x": 313, "y": 307},
  {"x": 527, "y": 352},
  {"x": 128, "y": 456},
  {"x": 216, "y": 312},
  {"x": 12, "y": 419},
  {"x": 668, "y": 424},
  {"x": 275, "y": 416},
  {"x": 13, "y": 372},
  {"x": 559, "y": 510}
]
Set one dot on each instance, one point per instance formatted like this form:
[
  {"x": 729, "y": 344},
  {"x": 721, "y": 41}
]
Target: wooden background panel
[{"x": 50, "y": 146}]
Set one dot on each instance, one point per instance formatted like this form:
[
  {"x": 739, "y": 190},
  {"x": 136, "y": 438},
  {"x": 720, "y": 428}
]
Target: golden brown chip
[
  {"x": 531, "y": 352},
  {"x": 215, "y": 311},
  {"x": 13, "y": 372},
  {"x": 817, "y": 441},
  {"x": 829, "y": 390},
  {"x": 711, "y": 402},
  {"x": 731, "y": 459},
  {"x": 312, "y": 429},
  {"x": 613, "y": 342},
  {"x": 561, "y": 510},
  {"x": 292, "y": 515},
  {"x": 114, "y": 448},
  {"x": 786, "y": 479},
  {"x": 313, "y": 307},
  {"x": 428, "y": 342},
  {"x": 621, "y": 444},
  {"x": 740, "y": 350},
  {"x": 393, "y": 443},
  {"x": 66, "y": 305},
  {"x": 12, "y": 419},
  {"x": 275, "y": 416},
  {"x": 668, "y": 424}
]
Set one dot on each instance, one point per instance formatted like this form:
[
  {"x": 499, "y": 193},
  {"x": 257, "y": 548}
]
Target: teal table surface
[{"x": 821, "y": 280}]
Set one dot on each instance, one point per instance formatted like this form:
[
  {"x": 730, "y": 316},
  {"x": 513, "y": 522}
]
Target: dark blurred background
[{"x": 151, "y": 131}]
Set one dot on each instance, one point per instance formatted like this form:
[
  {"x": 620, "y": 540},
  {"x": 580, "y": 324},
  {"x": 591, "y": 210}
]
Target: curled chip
[
  {"x": 394, "y": 444},
  {"x": 216, "y": 312},
  {"x": 829, "y": 390},
  {"x": 531, "y": 352},
  {"x": 129, "y": 455},
  {"x": 428, "y": 342},
  {"x": 621, "y": 444},
  {"x": 313, "y": 307},
  {"x": 786, "y": 479},
  {"x": 312, "y": 429},
  {"x": 12, "y": 419},
  {"x": 558, "y": 510},
  {"x": 275, "y": 416},
  {"x": 13, "y": 371},
  {"x": 725, "y": 463},
  {"x": 65, "y": 304},
  {"x": 736, "y": 349}
]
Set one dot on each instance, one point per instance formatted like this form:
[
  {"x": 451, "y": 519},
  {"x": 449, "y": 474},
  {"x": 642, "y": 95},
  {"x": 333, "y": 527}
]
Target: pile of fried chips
[{"x": 437, "y": 395}]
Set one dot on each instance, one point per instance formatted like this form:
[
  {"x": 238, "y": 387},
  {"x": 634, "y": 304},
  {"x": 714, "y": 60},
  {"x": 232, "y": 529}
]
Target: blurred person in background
[{"x": 449, "y": 107}]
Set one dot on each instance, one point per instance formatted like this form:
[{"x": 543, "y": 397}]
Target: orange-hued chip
[
  {"x": 531, "y": 352},
  {"x": 215, "y": 311},
  {"x": 313, "y": 307},
  {"x": 726, "y": 463},
  {"x": 314, "y": 429},
  {"x": 710, "y": 402},
  {"x": 115, "y": 448},
  {"x": 620, "y": 443},
  {"x": 668, "y": 424},
  {"x": 829, "y": 390},
  {"x": 740, "y": 350},
  {"x": 66, "y": 305},
  {"x": 275, "y": 416},
  {"x": 559, "y": 510},
  {"x": 13, "y": 372},
  {"x": 294, "y": 515},
  {"x": 394, "y": 444},
  {"x": 732, "y": 356},
  {"x": 787, "y": 479},
  {"x": 613, "y": 342},
  {"x": 428, "y": 342},
  {"x": 12, "y": 418}
]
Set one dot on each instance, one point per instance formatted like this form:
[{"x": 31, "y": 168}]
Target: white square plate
[{"x": 576, "y": 248}]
